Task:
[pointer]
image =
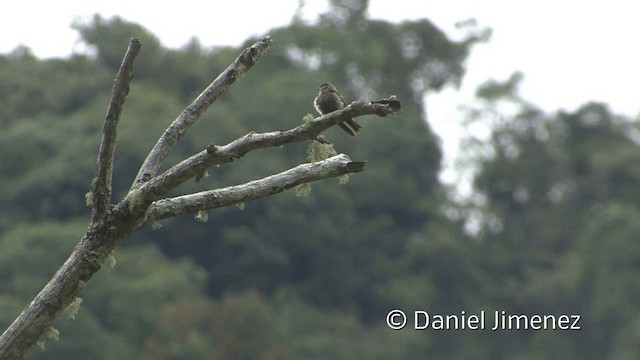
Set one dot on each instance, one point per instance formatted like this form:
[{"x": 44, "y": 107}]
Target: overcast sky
[{"x": 570, "y": 52}]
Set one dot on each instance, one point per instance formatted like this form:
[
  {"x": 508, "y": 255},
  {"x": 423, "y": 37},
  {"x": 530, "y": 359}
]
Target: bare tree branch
[
  {"x": 334, "y": 166},
  {"x": 144, "y": 201},
  {"x": 215, "y": 155},
  {"x": 101, "y": 185},
  {"x": 192, "y": 113}
]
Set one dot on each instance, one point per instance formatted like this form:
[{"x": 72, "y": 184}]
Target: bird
[{"x": 330, "y": 100}]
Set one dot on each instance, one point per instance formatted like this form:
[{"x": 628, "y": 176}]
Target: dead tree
[{"x": 146, "y": 202}]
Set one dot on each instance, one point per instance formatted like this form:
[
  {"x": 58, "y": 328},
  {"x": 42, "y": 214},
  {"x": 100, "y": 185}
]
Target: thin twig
[
  {"x": 101, "y": 185},
  {"x": 192, "y": 113}
]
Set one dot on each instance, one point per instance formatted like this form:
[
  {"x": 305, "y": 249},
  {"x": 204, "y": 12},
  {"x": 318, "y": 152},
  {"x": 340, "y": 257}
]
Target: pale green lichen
[
  {"x": 111, "y": 258},
  {"x": 303, "y": 190},
  {"x": 307, "y": 118},
  {"x": 51, "y": 333},
  {"x": 73, "y": 308},
  {"x": 202, "y": 216},
  {"x": 343, "y": 179},
  {"x": 318, "y": 151}
]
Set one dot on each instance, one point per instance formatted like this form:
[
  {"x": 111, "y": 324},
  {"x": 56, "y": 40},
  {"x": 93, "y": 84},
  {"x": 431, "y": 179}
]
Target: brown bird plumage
[{"x": 330, "y": 100}]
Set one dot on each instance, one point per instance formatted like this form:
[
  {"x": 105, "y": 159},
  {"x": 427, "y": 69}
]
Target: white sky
[{"x": 570, "y": 52}]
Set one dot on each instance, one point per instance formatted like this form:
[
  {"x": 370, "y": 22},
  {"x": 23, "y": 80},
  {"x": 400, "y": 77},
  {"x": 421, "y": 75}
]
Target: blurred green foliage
[{"x": 554, "y": 208}]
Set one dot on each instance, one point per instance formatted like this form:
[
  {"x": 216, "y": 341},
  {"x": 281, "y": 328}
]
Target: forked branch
[{"x": 192, "y": 113}]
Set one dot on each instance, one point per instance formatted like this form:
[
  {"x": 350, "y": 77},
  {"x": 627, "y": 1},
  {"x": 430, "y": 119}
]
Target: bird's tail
[{"x": 350, "y": 126}]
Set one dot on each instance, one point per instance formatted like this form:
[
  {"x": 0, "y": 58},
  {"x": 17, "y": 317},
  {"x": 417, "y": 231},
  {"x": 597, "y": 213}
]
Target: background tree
[{"x": 559, "y": 195}]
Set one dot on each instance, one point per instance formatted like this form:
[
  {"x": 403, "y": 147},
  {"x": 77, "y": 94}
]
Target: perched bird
[{"x": 330, "y": 100}]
